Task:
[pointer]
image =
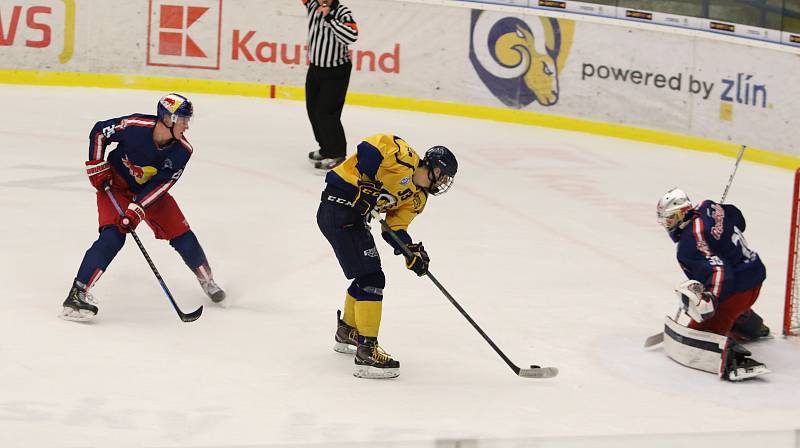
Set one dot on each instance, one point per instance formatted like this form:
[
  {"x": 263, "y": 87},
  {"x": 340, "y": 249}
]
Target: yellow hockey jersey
[{"x": 390, "y": 160}]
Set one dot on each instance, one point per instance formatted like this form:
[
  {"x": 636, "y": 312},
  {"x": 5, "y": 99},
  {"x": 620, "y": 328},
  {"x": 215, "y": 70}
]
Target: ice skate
[
  {"x": 346, "y": 336},
  {"x": 739, "y": 367},
  {"x": 315, "y": 156},
  {"x": 372, "y": 362},
  {"x": 327, "y": 164},
  {"x": 214, "y": 292},
  {"x": 79, "y": 306},
  {"x": 749, "y": 327}
]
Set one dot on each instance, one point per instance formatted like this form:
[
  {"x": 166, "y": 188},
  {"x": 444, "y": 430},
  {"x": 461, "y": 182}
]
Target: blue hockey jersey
[
  {"x": 150, "y": 171},
  {"x": 713, "y": 251}
]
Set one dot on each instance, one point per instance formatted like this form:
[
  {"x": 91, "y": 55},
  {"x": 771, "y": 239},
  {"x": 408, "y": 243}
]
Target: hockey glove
[
  {"x": 131, "y": 218},
  {"x": 419, "y": 260},
  {"x": 99, "y": 172},
  {"x": 367, "y": 196},
  {"x": 696, "y": 302}
]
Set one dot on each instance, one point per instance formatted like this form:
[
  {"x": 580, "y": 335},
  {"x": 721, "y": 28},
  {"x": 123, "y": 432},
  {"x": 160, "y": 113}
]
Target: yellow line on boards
[
  {"x": 116, "y": 81},
  {"x": 295, "y": 93},
  {"x": 69, "y": 32}
]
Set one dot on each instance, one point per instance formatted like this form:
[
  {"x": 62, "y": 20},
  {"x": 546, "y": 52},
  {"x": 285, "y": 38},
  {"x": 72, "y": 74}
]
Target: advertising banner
[{"x": 507, "y": 58}]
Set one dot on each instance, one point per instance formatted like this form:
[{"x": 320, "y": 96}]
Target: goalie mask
[
  {"x": 672, "y": 212},
  {"x": 442, "y": 158}
]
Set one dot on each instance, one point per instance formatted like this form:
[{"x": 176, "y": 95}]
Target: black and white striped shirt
[{"x": 328, "y": 39}]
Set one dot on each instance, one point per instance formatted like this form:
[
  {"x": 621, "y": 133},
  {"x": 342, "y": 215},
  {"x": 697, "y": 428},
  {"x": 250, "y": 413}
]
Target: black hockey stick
[
  {"x": 659, "y": 338},
  {"x": 190, "y": 317},
  {"x": 533, "y": 372}
]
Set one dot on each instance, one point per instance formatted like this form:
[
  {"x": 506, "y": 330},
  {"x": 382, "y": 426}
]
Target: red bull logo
[
  {"x": 140, "y": 174},
  {"x": 171, "y": 103},
  {"x": 134, "y": 169}
]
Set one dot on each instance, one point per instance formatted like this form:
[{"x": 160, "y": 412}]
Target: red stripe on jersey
[
  {"x": 156, "y": 193},
  {"x": 140, "y": 122},
  {"x": 99, "y": 147},
  {"x": 186, "y": 145},
  {"x": 718, "y": 277},
  {"x": 697, "y": 229},
  {"x": 716, "y": 281}
]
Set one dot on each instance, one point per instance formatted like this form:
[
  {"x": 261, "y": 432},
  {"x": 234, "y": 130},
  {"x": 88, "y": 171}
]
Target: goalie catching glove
[
  {"x": 696, "y": 302},
  {"x": 367, "y": 196},
  {"x": 419, "y": 260}
]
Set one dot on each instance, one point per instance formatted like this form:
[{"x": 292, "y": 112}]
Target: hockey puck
[{"x": 534, "y": 366}]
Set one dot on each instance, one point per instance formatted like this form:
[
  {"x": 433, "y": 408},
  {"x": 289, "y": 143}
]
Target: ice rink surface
[{"x": 548, "y": 239}]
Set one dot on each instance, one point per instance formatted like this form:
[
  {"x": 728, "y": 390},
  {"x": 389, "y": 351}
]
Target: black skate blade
[
  {"x": 193, "y": 316},
  {"x": 538, "y": 372}
]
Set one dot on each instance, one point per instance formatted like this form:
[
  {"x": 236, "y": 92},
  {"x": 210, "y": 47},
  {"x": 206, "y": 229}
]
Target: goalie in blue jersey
[{"x": 724, "y": 280}]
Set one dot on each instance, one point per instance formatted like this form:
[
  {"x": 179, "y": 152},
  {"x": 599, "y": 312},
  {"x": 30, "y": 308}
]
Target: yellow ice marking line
[
  {"x": 69, "y": 32},
  {"x": 296, "y": 93}
]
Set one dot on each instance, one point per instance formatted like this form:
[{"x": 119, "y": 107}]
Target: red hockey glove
[
  {"x": 99, "y": 172},
  {"x": 132, "y": 217},
  {"x": 420, "y": 259}
]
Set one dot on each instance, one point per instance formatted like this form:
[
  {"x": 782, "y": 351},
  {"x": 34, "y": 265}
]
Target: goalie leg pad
[
  {"x": 709, "y": 352},
  {"x": 694, "y": 348}
]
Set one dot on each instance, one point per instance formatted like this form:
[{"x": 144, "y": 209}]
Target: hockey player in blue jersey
[
  {"x": 725, "y": 275},
  {"x": 150, "y": 156}
]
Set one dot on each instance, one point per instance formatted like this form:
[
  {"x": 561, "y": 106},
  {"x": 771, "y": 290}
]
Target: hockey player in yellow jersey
[{"x": 385, "y": 174}]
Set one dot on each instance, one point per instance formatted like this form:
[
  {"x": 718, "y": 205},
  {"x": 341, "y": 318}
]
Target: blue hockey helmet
[
  {"x": 444, "y": 159},
  {"x": 173, "y": 106}
]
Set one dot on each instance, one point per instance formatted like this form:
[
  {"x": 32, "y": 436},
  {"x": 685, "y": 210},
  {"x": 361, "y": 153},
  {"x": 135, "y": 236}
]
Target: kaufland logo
[{"x": 184, "y": 33}]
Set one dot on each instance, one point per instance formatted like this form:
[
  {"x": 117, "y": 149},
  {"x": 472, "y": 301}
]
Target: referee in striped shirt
[{"x": 331, "y": 28}]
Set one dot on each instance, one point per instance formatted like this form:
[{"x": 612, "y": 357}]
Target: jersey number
[{"x": 737, "y": 238}]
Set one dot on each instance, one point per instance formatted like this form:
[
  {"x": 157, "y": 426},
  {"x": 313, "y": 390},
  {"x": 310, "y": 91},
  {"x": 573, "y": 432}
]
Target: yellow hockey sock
[
  {"x": 349, "y": 316},
  {"x": 368, "y": 317}
]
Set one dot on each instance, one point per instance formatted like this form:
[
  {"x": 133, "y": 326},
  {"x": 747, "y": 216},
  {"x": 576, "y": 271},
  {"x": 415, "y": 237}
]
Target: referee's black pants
[{"x": 326, "y": 89}]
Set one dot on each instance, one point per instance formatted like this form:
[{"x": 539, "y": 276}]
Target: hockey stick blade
[
  {"x": 538, "y": 372},
  {"x": 659, "y": 338},
  {"x": 193, "y": 316},
  {"x": 654, "y": 340}
]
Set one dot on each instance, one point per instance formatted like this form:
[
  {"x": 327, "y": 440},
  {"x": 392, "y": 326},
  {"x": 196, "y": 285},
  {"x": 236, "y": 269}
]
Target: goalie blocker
[{"x": 709, "y": 352}]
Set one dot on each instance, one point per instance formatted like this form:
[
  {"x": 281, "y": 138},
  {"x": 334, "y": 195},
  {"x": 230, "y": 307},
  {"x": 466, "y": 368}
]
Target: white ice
[{"x": 548, "y": 239}]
